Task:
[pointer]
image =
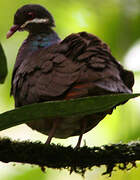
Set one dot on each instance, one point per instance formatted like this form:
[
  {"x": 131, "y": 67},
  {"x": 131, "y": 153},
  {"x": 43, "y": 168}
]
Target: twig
[{"x": 78, "y": 160}]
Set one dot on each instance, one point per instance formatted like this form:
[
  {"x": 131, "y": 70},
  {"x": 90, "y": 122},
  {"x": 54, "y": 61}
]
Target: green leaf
[
  {"x": 3, "y": 65},
  {"x": 81, "y": 106}
]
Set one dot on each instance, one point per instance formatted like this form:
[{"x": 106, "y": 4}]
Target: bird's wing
[
  {"x": 44, "y": 75},
  {"x": 100, "y": 72},
  {"x": 80, "y": 65}
]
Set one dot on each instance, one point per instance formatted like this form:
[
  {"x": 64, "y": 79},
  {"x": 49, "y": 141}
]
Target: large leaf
[
  {"x": 3, "y": 65},
  {"x": 84, "y": 106}
]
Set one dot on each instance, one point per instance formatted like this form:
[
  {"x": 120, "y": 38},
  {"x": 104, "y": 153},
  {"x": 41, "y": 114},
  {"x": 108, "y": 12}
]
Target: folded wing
[{"x": 80, "y": 65}]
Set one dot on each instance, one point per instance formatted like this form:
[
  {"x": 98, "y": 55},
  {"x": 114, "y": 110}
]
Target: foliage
[
  {"x": 3, "y": 65},
  {"x": 80, "y": 106}
]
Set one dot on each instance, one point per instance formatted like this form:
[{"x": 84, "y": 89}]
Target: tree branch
[{"x": 78, "y": 160}]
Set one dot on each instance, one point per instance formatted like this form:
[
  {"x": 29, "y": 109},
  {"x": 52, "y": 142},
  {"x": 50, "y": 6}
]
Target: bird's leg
[
  {"x": 52, "y": 131},
  {"x": 83, "y": 127}
]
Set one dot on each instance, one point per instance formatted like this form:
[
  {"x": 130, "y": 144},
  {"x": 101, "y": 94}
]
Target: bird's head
[{"x": 30, "y": 17}]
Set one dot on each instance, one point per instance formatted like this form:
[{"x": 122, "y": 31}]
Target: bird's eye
[{"x": 31, "y": 15}]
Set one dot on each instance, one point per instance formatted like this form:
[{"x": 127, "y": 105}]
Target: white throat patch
[{"x": 36, "y": 20}]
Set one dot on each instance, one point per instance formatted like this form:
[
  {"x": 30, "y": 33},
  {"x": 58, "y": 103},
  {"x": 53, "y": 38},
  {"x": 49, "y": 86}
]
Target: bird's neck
[
  {"x": 42, "y": 39},
  {"x": 36, "y": 41}
]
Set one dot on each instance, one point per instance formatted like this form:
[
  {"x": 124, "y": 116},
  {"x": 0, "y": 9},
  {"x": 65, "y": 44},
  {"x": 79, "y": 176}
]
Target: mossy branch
[{"x": 78, "y": 160}]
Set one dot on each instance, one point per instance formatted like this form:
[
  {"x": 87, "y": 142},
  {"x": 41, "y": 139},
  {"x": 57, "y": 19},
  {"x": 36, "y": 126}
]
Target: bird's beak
[{"x": 13, "y": 29}]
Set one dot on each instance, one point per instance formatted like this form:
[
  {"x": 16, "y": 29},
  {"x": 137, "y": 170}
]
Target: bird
[{"x": 48, "y": 68}]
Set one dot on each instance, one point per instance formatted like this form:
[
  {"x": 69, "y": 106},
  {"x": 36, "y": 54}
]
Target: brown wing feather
[
  {"x": 80, "y": 65},
  {"x": 100, "y": 72}
]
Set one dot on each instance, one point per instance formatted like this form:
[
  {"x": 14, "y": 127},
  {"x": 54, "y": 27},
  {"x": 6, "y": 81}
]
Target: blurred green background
[{"x": 118, "y": 24}]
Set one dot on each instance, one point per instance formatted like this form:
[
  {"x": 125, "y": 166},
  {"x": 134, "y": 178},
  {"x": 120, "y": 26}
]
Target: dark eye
[{"x": 31, "y": 15}]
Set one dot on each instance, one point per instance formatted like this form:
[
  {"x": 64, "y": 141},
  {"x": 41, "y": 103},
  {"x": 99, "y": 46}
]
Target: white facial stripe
[{"x": 36, "y": 20}]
